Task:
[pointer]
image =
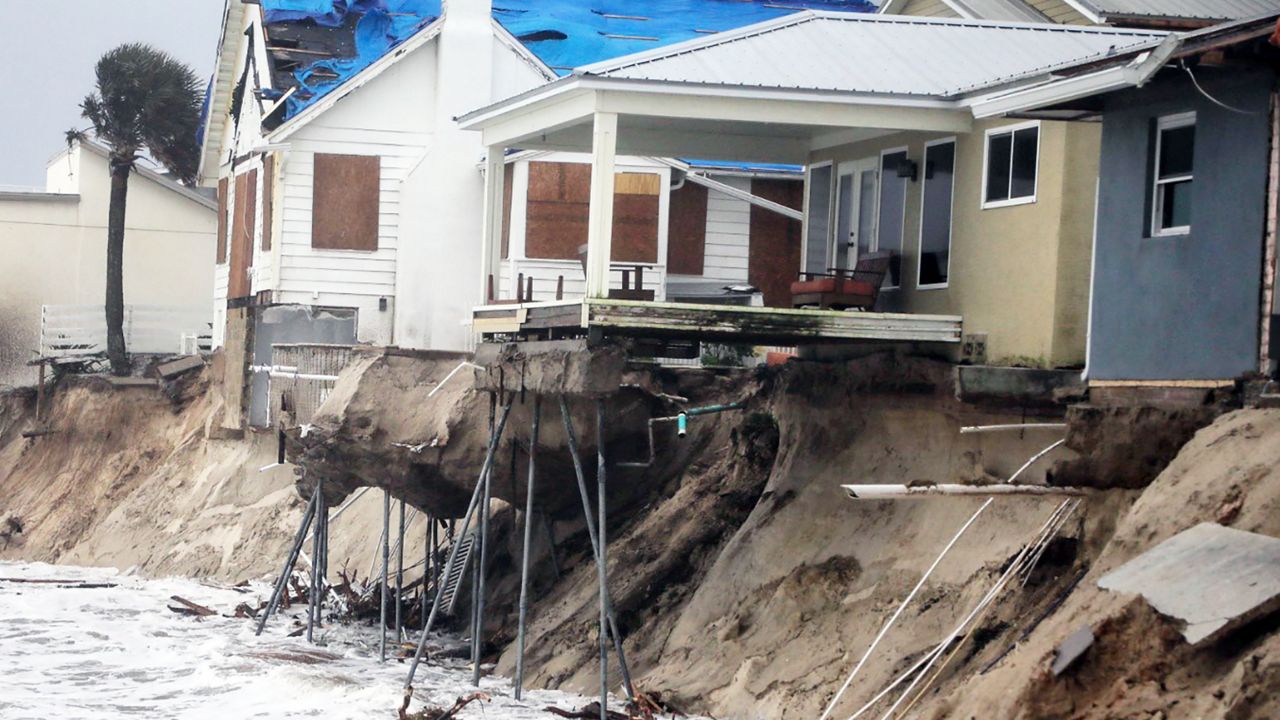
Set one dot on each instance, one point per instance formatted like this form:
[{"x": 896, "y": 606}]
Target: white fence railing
[{"x": 67, "y": 330}]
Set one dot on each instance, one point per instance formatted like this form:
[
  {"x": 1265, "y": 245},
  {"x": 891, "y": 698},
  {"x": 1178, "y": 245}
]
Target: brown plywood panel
[
  {"x": 268, "y": 198},
  {"x": 687, "y": 234},
  {"x": 555, "y": 231},
  {"x": 345, "y": 203},
  {"x": 222, "y": 221},
  {"x": 242, "y": 224},
  {"x": 774, "y": 256},
  {"x": 637, "y": 184},
  {"x": 635, "y": 228}
]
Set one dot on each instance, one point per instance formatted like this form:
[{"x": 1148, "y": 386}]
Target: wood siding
[
  {"x": 345, "y": 202},
  {"x": 927, "y": 8},
  {"x": 728, "y": 234},
  {"x": 774, "y": 258},
  {"x": 687, "y": 237}
]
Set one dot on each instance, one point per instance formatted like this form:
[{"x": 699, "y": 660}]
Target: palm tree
[{"x": 144, "y": 99}]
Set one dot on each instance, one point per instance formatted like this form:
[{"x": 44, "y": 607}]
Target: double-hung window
[
  {"x": 1012, "y": 159},
  {"x": 1172, "y": 174}
]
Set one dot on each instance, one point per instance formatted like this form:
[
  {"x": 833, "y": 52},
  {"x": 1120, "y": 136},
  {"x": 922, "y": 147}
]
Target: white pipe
[
  {"x": 982, "y": 605},
  {"x": 1033, "y": 459},
  {"x": 449, "y": 377},
  {"x": 898, "y": 491},
  {"x": 885, "y": 630},
  {"x": 998, "y": 428}
]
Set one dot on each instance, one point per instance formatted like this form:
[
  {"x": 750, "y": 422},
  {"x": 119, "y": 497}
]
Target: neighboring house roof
[
  {"x": 880, "y": 55},
  {"x": 1196, "y": 10},
  {"x": 193, "y": 194},
  {"x": 1016, "y": 10},
  {"x": 565, "y": 34}
]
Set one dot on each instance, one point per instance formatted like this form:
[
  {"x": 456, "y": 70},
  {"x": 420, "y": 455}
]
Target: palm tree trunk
[{"x": 116, "y": 351}]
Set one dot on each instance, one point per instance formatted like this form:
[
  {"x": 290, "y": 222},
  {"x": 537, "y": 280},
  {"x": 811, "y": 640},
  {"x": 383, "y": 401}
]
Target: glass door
[{"x": 857, "y": 193}]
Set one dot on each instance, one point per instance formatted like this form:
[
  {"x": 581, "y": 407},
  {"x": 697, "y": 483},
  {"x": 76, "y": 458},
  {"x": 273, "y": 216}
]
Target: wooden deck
[{"x": 718, "y": 323}]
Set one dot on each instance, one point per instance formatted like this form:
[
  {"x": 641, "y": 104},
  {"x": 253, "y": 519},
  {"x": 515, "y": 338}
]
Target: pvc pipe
[
  {"x": 282, "y": 583},
  {"x": 572, "y": 441},
  {"x": 386, "y": 564},
  {"x": 1000, "y": 428},
  {"x": 903, "y": 606},
  {"x": 449, "y": 377},
  {"x": 528, "y": 537},
  {"x": 898, "y": 491},
  {"x": 1033, "y": 459},
  {"x": 453, "y": 550}
]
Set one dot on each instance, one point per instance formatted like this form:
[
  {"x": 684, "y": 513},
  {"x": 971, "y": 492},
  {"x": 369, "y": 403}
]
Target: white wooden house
[{"x": 348, "y": 192}]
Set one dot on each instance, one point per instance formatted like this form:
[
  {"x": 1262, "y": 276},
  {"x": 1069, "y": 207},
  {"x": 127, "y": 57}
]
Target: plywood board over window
[
  {"x": 242, "y": 235},
  {"x": 559, "y": 205},
  {"x": 223, "y": 189},
  {"x": 508, "y": 189},
  {"x": 345, "y": 202},
  {"x": 268, "y": 198},
  {"x": 774, "y": 255},
  {"x": 687, "y": 236}
]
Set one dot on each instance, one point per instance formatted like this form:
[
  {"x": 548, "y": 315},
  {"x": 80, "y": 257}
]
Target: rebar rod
[
  {"x": 453, "y": 549},
  {"x": 400, "y": 580},
  {"x": 602, "y": 561},
  {"x": 282, "y": 583},
  {"x": 528, "y": 538},
  {"x": 572, "y": 442},
  {"x": 386, "y": 565}
]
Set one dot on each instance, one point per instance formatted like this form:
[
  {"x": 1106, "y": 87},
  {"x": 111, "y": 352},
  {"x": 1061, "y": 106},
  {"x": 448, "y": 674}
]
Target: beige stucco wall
[
  {"x": 54, "y": 251},
  {"x": 1020, "y": 273}
]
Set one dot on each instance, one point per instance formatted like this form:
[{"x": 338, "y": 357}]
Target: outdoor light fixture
[{"x": 909, "y": 169}]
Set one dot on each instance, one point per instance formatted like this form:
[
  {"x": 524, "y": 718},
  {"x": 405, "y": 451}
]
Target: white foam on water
[{"x": 76, "y": 653}]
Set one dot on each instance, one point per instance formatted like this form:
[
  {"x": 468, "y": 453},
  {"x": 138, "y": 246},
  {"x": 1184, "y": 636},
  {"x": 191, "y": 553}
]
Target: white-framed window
[
  {"x": 934, "y": 267},
  {"x": 891, "y": 210},
  {"x": 818, "y": 201},
  {"x": 1010, "y": 165},
  {"x": 1172, "y": 175}
]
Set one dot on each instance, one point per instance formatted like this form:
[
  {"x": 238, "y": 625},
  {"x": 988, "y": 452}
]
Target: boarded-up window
[
  {"x": 242, "y": 235},
  {"x": 344, "y": 211},
  {"x": 559, "y": 207},
  {"x": 687, "y": 235},
  {"x": 222, "y": 221},
  {"x": 774, "y": 256},
  {"x": 268, "y": 198}
]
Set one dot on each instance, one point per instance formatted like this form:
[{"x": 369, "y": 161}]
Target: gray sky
[{"x": 48, "y": 49}]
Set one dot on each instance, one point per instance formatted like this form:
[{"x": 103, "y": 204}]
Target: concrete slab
[
  {"x": 1071, "y": 649},
  {"x": 1019, "y": 387},
  {"x": 554, "y": 367},
  {"x": 1211, "y": 578},
  {"x": 178, "y": 367}
]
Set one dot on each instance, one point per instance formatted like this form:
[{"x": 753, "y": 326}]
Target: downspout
[{"x": 1093, "y": 271}]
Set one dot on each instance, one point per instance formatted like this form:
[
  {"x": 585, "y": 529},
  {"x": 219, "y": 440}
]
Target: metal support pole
[
  {"x": 314, "y": 598},
  {"x": 528, "y": 538},
  {"x": 323, "y": 518},
  {"x": 572, "y": 441},
  {"x": 400, "y": 580},
  {"x": 602, "y": 562},
  {"x": 386, "y": 564},
  {"x": 453, "y": 550},
  {"x": 477, "y": 572},
  {"x": 282, "y": 584},
  {"x": 428, "y": 565}
]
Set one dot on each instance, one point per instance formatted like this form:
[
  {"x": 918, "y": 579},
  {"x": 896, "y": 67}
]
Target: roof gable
[
  {"x": 565, "y": 34},
  {"x": 1174, "y": 10}
]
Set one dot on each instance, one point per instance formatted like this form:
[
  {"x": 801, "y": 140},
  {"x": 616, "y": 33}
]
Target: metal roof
[
  {"x": 875, "y": 54},
  {"x": 1179, "y": 9}
]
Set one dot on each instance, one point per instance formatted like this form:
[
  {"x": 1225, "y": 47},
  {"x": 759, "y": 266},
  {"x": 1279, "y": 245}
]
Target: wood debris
[
  {"x": 186, "y": 607},
  {"x": 437, "y": 713}
]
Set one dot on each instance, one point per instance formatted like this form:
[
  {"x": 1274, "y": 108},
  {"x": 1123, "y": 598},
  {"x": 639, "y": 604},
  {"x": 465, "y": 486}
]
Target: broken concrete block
[
  {"x": 1071, "y": 649},
  {"x": 1211, "y": 578},
  {"x": 178, "y": 367}
]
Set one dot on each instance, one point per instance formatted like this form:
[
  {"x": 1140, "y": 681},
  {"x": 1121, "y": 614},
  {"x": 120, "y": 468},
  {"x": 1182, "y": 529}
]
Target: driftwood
[
  {"x": 440, "y": 713},
  {"x": 190, "y": 608},
  {"x": 590, "y": 712}
]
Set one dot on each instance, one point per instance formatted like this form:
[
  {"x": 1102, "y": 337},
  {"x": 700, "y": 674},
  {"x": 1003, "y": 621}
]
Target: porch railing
[{"x": 70, "y": 330}]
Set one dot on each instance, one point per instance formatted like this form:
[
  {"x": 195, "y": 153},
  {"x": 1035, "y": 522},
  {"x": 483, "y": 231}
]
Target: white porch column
[
  {"x": 604, "y": 151},
  {"x": 491, "y": 237}
]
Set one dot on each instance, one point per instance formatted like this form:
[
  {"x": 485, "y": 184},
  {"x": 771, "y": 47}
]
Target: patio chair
[{"x": 841, "y": 288}]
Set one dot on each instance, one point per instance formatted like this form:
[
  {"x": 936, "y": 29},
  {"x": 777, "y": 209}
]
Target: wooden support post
[
  {"x": 604, "y": 149},
  {"x": 1269, "y": 244}
]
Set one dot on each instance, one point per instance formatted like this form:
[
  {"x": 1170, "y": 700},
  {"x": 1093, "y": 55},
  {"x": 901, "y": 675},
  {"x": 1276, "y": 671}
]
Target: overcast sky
[{"x": 48, "y": 49}]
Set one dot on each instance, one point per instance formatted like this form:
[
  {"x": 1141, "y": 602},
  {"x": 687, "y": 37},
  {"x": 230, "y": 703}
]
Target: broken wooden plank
[
  {"x": 190, "y": 608},
  {"x": 178, "y": 367}
]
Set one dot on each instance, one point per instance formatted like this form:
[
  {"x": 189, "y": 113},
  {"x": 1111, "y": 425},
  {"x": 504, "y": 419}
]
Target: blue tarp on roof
[
  {"x": 566, "y": 34},
  {"x": 380, "y": 25}
]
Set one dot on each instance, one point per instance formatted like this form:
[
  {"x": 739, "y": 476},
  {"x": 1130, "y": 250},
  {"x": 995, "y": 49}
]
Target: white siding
[{"x": 728, "y": 234}]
